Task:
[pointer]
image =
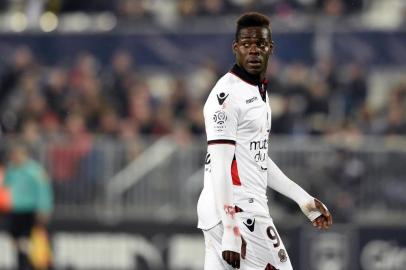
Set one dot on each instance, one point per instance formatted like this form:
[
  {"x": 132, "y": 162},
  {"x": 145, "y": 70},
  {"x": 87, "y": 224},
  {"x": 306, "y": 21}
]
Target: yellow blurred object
[{"x": 40, "y": 249}]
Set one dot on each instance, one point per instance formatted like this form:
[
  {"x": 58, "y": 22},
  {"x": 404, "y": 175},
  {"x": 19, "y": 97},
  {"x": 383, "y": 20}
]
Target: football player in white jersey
[{"x": 232, "y": 208}]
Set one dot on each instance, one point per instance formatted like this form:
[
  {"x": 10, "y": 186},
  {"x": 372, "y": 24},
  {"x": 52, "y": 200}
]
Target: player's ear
[{"x": 234, "y": 47}]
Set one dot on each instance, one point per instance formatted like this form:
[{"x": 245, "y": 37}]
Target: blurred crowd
[
  {"x": 71, "y": 106},
  {"x": 120, "y": 100},
  {"x": 192, "y": 8},
  {"x": 189, "y": 8}
]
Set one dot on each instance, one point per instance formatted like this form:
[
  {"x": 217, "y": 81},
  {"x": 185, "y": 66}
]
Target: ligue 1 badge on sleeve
[{"x": 219, "y": 117}]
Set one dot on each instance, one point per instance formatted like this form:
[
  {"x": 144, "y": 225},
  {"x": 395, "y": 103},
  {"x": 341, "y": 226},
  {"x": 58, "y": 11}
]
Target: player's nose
[{"x": 253, "y": 49}]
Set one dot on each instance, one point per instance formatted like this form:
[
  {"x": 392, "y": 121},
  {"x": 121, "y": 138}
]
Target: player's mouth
[{"x": 254, "y": 63}]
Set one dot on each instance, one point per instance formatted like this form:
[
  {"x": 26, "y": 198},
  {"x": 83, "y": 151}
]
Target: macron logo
[
  {"x": 221, "y": 98},
  {"x": 250, "y": 224},
  {"x": 248, "y": 101}
]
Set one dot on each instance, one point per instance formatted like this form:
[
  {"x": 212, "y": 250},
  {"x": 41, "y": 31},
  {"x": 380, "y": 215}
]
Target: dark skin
[
  {"x": 325, "y": 220},
  {"x": 252, "y": 51}
]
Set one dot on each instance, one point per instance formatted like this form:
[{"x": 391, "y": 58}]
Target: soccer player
[{"x": 232, "y": 208}]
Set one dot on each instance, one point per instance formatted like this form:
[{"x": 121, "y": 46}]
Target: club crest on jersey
[
  {"x": 222, "y": 97},
  {"x": 282, "y": 255}
]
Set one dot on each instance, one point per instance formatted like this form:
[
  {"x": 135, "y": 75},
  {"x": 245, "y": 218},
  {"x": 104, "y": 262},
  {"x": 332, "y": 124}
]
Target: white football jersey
[{"x": 237, "y": 111}]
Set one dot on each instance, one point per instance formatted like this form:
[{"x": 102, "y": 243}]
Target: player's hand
[
  {"x": 325, "y": 220},
  {"x": 317, "y": 213},
  {"x": 233, "y": 258}
]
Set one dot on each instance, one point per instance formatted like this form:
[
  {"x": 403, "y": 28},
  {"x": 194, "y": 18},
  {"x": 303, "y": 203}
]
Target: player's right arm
[
  {"x": 221, "y": 158},
  {"x": 221, "y": 119}
]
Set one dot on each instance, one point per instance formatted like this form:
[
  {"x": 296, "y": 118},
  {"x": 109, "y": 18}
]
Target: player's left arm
[{"x": 314, "y": 209}]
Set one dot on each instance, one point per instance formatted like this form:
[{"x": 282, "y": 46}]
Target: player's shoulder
[
  {"x": 228, "y": 82},
  {"x": 226, "y": 88}
]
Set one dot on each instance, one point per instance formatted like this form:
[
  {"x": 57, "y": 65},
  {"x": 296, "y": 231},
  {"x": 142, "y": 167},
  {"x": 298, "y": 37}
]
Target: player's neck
[{"x": 248, "y": 77}]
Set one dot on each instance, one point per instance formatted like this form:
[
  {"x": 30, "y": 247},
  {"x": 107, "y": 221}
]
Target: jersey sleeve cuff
[{"x": 221, "y": 141}]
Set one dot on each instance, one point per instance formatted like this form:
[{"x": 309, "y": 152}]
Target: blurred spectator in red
[{"x": 66, "y": 153}]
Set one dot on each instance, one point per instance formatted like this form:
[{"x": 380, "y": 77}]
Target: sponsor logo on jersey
[
  {"x": 259, "y": 150},
  {"x": 259, "y": 145},
  {"x": 250, "y": 224},
  {"x": 282, "y": 255},
  {"x": 221, "y": 98},
  {"x": 248, "y": 101}
]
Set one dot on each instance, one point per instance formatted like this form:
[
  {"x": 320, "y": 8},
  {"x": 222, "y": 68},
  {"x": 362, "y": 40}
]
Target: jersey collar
[{"x": 245, "y": 76}]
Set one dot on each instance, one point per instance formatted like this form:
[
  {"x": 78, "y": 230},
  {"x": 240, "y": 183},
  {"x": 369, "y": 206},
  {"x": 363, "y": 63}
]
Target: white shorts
[{"x": 265, "y": 250}]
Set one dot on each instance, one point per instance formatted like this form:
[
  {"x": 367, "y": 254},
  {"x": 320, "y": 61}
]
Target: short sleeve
[{"x": 221, "y": 117}]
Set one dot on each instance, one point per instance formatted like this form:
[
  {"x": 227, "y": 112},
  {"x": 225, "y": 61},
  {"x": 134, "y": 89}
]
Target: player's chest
[{"x": 256, "y": 113}]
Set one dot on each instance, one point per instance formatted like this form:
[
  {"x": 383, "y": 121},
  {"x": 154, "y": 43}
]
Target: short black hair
[{"x": 252, "y": 19}]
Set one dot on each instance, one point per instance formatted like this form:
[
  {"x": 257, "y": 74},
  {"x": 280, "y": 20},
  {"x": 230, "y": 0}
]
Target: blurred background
[{"x": 108, "y": 96}]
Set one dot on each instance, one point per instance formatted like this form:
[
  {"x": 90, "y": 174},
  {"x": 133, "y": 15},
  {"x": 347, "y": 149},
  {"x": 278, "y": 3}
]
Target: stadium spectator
[
  {"x": 66, "y": 154},
  {"x": 31, "y": 201}
]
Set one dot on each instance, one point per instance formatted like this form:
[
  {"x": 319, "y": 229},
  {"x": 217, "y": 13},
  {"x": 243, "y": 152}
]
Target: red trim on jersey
[
  {"x": 270, "y": 267},
  {"x": 238, "y": 209},
  {"x": 234, "y": 173},
  {"x": 221, "y": 142}
]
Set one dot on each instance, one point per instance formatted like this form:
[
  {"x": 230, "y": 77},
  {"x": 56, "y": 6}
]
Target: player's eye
[
  {"x": 262, "y": 44},
  {"x": 246, "y": 44}
]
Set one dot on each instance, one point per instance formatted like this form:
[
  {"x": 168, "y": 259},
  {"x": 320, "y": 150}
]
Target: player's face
[{"x": 253, "y": 48}]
